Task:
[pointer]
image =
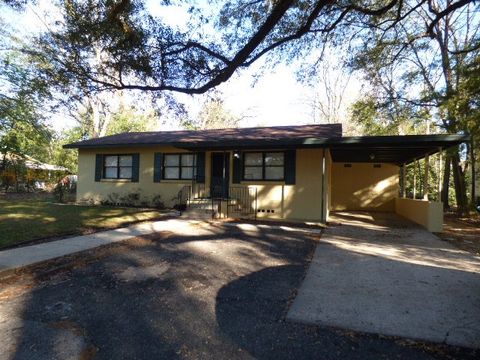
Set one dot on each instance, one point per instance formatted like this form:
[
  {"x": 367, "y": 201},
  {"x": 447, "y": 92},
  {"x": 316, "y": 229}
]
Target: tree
[
  {"x": 22, "y": 125},
  {"x": 213, "y": 115},
  {"x": 134, "y": 50},
  {"x": 465, "y": 105},
  {"x": 408, "y": 70},
  {"x": 329, "y": 81},
  {"x": 130, "y": 119}
]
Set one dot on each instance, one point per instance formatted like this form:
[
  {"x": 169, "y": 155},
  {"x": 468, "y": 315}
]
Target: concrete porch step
[
  {"x": 196, "y": 213},
  {"x": 202, "y": 206}
]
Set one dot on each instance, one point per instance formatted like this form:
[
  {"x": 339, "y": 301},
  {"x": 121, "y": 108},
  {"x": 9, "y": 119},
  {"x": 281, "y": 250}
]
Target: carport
[{"x": 368, "y": 173}]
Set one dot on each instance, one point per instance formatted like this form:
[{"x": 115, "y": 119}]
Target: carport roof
[{"x": 391, "y": 149}]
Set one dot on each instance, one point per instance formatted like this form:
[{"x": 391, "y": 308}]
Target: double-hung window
[
  {"x": 263, "y": 166},
  {"x": 178, "y": 166},
  {"x": 117, "y": 167}
]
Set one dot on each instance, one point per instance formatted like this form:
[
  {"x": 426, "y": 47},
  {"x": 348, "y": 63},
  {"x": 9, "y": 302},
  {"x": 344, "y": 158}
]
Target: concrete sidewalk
[{"x": 28, "y": 255}]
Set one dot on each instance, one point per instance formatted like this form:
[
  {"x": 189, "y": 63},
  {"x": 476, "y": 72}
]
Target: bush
[
  {"x": 133, "y": 199},
  {"x": 59, "y": 192},
  {"x": 157, "y": 202},
  {"x": 62, "y": 189}
]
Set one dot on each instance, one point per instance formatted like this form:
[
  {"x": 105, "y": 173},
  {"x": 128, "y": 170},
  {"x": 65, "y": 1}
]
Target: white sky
[{"x": 277, "y": 98}]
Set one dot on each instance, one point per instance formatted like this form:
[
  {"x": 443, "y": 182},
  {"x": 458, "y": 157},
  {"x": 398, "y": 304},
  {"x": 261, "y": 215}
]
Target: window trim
[
  {"x": 180, "y": 166},
  {"x": 263, "y": 166},
  {"x": 104, "y": 167}
]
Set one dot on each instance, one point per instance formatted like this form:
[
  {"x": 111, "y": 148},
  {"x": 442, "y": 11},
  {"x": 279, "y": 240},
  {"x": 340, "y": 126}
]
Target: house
[
  {"x": 295, "y": 173},
  {"x": 30, "y": 172}
]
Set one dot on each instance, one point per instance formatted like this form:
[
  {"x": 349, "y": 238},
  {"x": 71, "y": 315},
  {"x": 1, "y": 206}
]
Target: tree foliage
[
  {"x": 22, "y": 124},
  {"x": 119, "y": 44},
  {"x": 213, "y": 115},
  {"x": 130, "y": 119},
  {"x": 417, "y": 74}
]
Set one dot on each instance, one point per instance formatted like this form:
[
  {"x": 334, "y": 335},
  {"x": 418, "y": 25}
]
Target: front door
[{"x": 220, "y": 175}]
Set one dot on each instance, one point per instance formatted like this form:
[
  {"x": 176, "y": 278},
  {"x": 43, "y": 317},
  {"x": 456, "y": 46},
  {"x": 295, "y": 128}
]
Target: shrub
[{"x": 157, "y": 202}]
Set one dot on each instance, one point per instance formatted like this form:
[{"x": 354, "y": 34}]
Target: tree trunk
[
  {"x": 446, "y": 182},
  {"x": 460, "y": 186}
]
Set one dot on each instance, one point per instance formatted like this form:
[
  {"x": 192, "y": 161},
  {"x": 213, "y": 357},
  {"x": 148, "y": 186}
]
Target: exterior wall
[
  {"x": 302, "y": 201},
  {"x": 364, "y": 187},
  {"x": 91, "y": 191},
  {"x": 429, "y": 214}
]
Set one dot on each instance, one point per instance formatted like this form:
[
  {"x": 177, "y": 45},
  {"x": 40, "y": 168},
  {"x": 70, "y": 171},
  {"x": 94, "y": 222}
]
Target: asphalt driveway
[
  {"x": 208, "y": 292},
  {"x": 379, "y": 273}
]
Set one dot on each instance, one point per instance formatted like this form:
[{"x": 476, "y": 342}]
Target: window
[
  {"x": 178, "y": 166},
  {"x": 263, "y": 166},
  {"x": 117, "y": 166}
]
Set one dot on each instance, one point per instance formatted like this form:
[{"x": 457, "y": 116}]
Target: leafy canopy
[{"x": 119, "y": 44}]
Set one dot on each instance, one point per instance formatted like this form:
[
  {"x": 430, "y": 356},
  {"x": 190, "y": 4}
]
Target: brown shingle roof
[{"x": 276, "y": 135}]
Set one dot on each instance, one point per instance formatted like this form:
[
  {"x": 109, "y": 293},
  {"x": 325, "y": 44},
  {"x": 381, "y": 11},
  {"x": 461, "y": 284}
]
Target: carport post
[
  {"x": 425, "y": 178},
  {"x": 440, "y": 172},
  {"x": 415, "y": 179},
  {"x": 403, "y": 174}
]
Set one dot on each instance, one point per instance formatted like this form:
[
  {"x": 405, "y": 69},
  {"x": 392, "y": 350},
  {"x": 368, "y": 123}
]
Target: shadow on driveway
[{"x": 220, "y": 293}]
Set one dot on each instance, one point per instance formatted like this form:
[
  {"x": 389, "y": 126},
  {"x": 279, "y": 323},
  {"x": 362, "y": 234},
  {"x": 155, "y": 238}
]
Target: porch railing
[
  {"x": 189, "y": 192},
  {"x": 242, "y": 201}
]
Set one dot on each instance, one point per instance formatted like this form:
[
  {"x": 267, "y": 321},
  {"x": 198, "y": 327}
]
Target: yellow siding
[
  {"x": 301, "y": 201},
  {"x": 89, "y": 190},
  {"x": 364, "y": 187}
]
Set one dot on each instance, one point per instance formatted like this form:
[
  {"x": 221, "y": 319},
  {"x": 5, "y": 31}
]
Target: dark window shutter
[
  {"x": 135, "y": 167},
  {"x": 157, "y": 167},
  {"x": 290, "y": 160},
  {"x": 201, "y": 167},
  {"x": 237, "y": 167},
  {"x": 98, "y": 167}
]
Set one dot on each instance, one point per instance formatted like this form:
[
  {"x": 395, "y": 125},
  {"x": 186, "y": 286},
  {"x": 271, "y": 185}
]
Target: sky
[{"x": 275, "y": 98}]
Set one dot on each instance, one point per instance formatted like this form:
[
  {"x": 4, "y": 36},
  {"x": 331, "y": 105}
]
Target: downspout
[
  {"x": 322, "y": 210},
  {"x": 224, "y": 190},
  {"x": 194, "y": 176}
]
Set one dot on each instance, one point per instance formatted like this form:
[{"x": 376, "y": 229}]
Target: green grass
[{"x": 23, "y": 220}]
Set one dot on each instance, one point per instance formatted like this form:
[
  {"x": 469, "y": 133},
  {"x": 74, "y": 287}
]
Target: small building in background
[{"x": 25, "y": 173}]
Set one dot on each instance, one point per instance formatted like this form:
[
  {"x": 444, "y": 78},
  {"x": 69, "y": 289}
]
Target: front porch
[{"x": 198, "y": 201}]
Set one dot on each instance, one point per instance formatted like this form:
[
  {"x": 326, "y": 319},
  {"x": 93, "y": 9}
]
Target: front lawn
[{"x": 26, "y": 220}]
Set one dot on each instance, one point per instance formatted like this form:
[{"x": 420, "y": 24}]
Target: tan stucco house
[{"x": 294, "y": 173}]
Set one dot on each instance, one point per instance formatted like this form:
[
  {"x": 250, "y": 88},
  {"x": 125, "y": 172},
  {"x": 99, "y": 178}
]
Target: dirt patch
[
  {"x": 16, "y": 289},
  {"x": 463, "y": 232},
  {"x": 71, "y": 326}
]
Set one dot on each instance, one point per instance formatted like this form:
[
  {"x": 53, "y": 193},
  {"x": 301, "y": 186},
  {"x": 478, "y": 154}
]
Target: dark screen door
[{"x": 220, "y": 175}]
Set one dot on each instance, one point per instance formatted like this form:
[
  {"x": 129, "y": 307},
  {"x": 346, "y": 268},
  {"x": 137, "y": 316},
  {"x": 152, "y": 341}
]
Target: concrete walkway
[
  {"x": 381, "y": 274},
  {"x": 28, "y": 255}
]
